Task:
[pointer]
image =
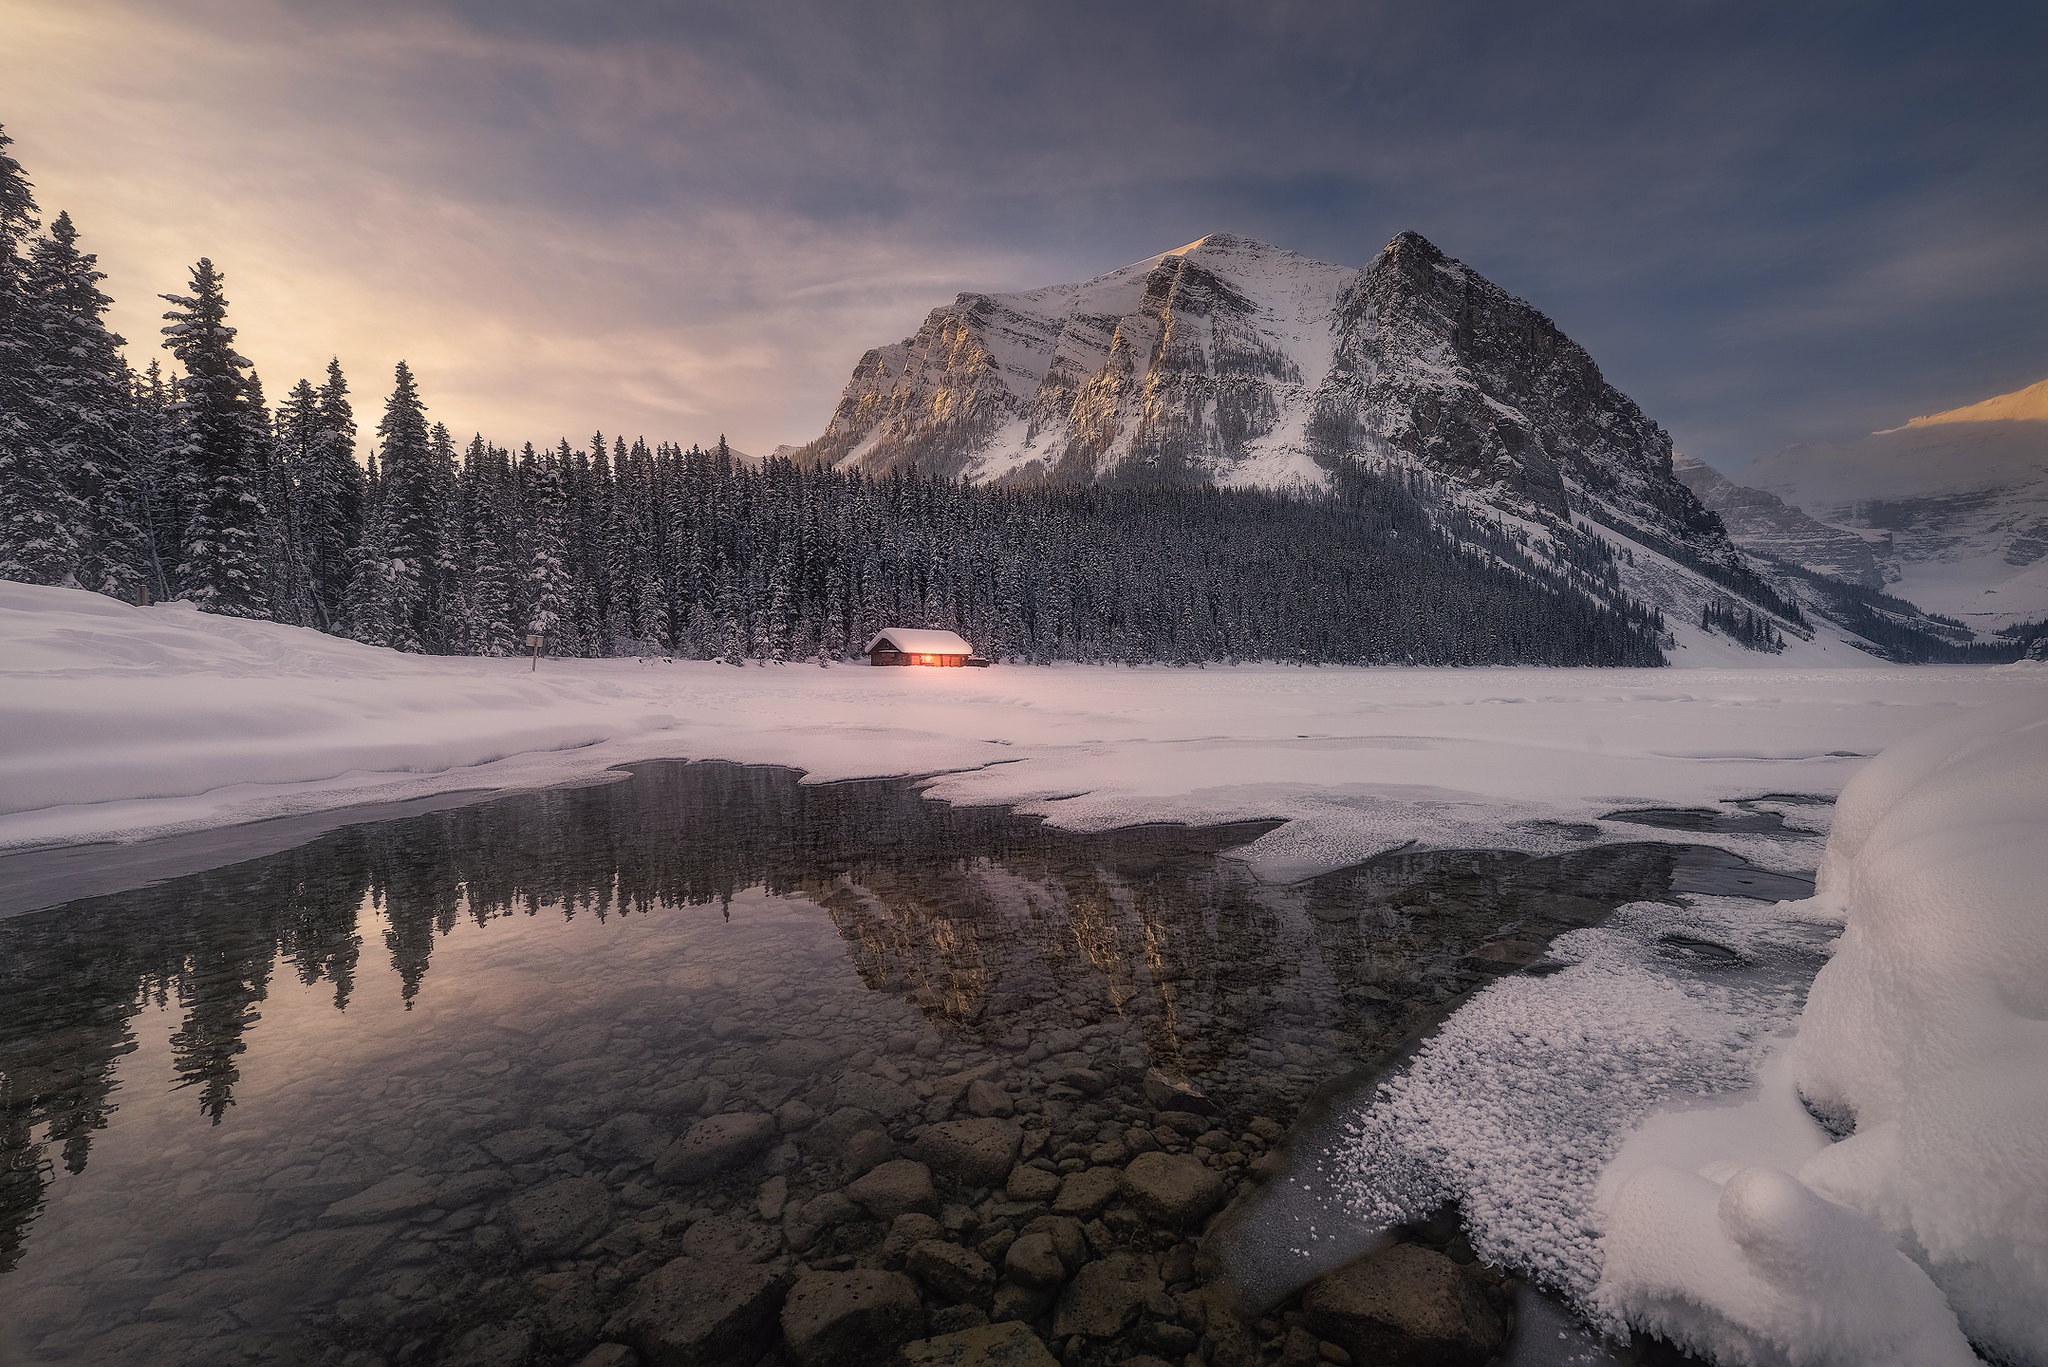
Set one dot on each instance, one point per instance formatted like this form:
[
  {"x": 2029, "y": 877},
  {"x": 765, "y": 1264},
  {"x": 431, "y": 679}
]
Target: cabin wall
[{"x": 885, "y": 656}]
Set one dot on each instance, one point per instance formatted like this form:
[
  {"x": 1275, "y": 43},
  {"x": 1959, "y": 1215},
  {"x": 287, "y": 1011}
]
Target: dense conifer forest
[{"x": 184, "y": 481}]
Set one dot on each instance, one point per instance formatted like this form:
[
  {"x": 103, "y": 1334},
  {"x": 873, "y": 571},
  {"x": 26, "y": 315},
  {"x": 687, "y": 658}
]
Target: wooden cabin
[{"x": 911, "y": 646}]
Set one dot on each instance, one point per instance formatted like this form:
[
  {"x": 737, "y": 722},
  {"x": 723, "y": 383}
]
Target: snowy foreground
[{"x": 1631, "y": 1134}]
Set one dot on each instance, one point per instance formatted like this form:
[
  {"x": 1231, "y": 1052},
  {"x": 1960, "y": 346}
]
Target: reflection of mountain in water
[{"x": 992, "y": 922}]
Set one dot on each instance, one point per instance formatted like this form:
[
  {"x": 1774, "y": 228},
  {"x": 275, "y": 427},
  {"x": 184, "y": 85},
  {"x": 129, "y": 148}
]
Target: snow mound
[
  {"x": 1929, "y": 1029},
  {"x": 1768, "y": 1272},
  {"x": 1927, "y": 1035}
]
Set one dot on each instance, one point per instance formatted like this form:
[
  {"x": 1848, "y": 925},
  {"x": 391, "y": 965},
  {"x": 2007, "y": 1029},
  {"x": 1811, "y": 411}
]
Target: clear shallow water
[{"x": 401, "y": 1094}]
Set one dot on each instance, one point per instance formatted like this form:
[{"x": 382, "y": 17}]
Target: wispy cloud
[{"x": 685, "y": 218}]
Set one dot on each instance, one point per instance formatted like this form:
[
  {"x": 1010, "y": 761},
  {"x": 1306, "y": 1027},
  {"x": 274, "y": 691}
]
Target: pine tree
[
  {"x": 221, "y": 569},
  {"x": 547, "y": 570},
  {"x": 39, "y": 515},
  {"x": 410, "y": 522},
  {"x": 153, "y": 485},
  {"x": 81, "y": 428},
  {"x": 330, "y": 487},
  {"x": 286, "y": 584}
]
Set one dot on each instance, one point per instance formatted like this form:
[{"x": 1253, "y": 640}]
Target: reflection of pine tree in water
[
  {"x": 219, "y": 991},
  {"x": 982, "y": 916}
]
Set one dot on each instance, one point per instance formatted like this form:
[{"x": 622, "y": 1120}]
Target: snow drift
[{"x": 1927, "y": 1036}]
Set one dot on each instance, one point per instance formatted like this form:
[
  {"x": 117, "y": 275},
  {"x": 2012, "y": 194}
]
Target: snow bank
[{"x": 1928, "y": 1033}]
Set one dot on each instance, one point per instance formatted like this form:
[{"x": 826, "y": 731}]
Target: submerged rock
[
  {"x": 1105, "y": 1296},
  {"x": 715, "y": 1144},
  {"x": 978, "y": 1152},
  {"x": 558, "y": 1217},
  {"x": 1406, "y": 1304},
  {"x": 1087, "y": 1191},
  {"x": 953, "y": 1272},
  {"x": 992, "y": 1345},
  {"x": 892, "y": 1188},
  {"x": 1174, "y": 1189},
  {"x": 837, "y": 1319},
  {"x": 693, "y": 1313}
]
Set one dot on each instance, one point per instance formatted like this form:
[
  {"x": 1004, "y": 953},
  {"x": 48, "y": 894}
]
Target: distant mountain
[
  {"x": 1231, "y": 362},
  {"x": 1766, "y": 524},
  {"x": 1955, "y": 504}
]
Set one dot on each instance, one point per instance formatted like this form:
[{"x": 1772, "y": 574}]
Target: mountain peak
[
  {"x": 1409, "y": 241},
  {"x": 1235, "y": 244}
]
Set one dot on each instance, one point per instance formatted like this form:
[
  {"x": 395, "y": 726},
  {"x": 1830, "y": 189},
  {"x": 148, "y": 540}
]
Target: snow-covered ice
[
  {"x": 119, "y": 723},
  {"x": 1927, "y": 1034}
]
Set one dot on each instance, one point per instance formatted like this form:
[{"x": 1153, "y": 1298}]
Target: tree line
[{"x": 183, "y": 481}]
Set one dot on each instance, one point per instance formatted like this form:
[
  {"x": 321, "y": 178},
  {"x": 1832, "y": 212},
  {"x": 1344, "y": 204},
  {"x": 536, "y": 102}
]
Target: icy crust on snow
[{"x": 1516, "y": 1104}]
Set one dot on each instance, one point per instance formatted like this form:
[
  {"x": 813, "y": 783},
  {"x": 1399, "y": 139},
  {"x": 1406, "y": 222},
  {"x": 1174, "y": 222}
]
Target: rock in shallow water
[
  {"x": 1405, "y": 1304},
  {"x": 1033, "y": 1261},
  {"x": 1104, "y": 1297},
  {"x": 951, "y": 1271},
  {"x": 712, "y": 1145},
  {"x": 693, "y": 1313},
  {"x": 978, "y": 1152},
  {"x": 994, "y": 1345},
  {"x": 1172, "y": 1188},
  {"x": 895, "y": 1187},
  {"x": 558, "y": 1217},
  {"x": 838, "y": 1319},
  {"x": 1086, "y": 1192}
]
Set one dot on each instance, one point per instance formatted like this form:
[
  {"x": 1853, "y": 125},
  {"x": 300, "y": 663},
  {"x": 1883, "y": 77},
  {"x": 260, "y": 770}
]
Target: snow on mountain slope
[
  {"x": 1178, "y": 366},
  {"x": 1957, "y": 503}
]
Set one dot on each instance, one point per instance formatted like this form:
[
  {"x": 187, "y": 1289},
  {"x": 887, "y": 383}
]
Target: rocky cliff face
[
  {"x": 1232, "y": 362},
  {"x": 1766, "y": 524}
]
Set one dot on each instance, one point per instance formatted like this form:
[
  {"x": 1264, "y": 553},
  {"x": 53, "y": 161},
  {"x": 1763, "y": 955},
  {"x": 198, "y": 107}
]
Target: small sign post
[{"x": 536, "y": 641}]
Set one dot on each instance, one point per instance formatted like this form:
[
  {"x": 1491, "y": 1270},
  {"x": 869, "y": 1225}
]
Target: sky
[{"x": 1768, "y": 222}]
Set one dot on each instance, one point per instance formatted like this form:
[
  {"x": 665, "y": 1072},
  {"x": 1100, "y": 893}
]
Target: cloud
[{"x": 686, "y": 218}]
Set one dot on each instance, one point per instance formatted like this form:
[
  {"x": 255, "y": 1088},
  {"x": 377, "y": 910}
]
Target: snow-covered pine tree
[
  {"x": 155, "y": 483},
  {"x": 38, "y": 516},
  {"x": 81, "y": 425},
  {"x": 410, "y": 529},
  {"x": 221, "y": 569},
  {"x": 547, "y": 571},
  {"x": 320, "y": 441},
  {"x": 442, "y": 592},
  {"x": 285, "y": 582}
]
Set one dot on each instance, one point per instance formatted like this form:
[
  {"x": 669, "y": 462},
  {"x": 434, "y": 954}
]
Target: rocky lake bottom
[{"x": 707, "y": 1066}]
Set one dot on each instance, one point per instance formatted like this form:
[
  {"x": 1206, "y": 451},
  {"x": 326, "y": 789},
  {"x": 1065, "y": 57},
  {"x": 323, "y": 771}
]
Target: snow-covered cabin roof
[{"x": 916, "y": 642}]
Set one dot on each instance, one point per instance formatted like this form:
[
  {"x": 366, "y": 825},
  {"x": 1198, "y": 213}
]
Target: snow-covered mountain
[
  {"x": 1232, "y": 362},
  {"x": 1955, "y": 504}
]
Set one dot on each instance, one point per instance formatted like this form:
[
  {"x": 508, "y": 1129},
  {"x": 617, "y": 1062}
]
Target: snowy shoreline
[{"x": 122, "y": 724}]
